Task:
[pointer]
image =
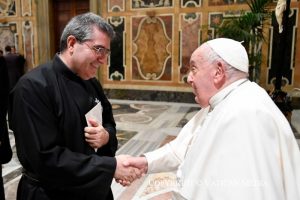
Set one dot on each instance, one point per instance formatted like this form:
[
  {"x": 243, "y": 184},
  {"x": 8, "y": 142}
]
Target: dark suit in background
[
  {"x": 15, "y": 66},
  {"x": 5, "y": 149}
]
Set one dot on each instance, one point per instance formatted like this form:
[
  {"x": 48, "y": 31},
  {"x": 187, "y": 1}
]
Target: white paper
[{"x": 95, "y": 114}]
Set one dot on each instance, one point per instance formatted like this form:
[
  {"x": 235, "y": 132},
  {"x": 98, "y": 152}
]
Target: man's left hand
[{"x": 96, "y": 135}]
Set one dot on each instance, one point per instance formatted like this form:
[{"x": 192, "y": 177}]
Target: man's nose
[{"x": 190, "y": 78}]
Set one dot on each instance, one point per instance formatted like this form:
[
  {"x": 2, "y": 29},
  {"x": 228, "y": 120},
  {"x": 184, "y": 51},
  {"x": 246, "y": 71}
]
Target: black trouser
[
  {"x": 31, "y": 189},
  {"x": 2, "y": 194}
]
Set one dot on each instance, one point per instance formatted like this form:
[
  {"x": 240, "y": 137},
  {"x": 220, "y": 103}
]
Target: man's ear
[
  {"x": 71, "y": 40},
  {"x": 219, "y": 76}
]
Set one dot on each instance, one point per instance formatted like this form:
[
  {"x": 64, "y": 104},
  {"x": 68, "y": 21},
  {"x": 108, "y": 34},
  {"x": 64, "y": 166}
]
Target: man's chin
[
  {"x": 91, "y": 75},
  {"x": 199, "y": 102},
  {"x": 87, "y": 77},
  {"x": 196, "y": 100}
]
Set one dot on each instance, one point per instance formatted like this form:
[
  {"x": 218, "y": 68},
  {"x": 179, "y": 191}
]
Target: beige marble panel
[{"x": 26, "y": 7}]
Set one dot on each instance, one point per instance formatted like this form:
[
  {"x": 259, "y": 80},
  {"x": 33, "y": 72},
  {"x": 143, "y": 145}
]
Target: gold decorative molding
[
  {"x": 151, "y": 48},
  {"x": 26, "y": 8}
]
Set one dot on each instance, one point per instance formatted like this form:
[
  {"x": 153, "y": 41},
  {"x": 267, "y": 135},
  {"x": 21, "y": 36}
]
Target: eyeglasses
[{"x": 99, "y": 50}]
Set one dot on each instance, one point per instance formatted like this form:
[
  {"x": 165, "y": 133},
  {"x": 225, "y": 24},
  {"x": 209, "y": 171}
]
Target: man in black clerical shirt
[{"x": 63, "y": 157}]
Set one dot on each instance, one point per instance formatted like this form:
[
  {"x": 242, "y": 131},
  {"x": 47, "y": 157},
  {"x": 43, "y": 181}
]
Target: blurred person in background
[
  {"x": 5, "y": 148},
  {"x": 15, "y": 66}
]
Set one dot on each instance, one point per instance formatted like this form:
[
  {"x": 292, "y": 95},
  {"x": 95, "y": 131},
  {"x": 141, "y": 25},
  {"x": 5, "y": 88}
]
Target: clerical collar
[
  {"x": 60, "y": 66},
  {"x": 218, "y": 97}
]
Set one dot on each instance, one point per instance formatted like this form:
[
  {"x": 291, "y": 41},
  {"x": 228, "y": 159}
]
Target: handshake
[{"x": 130, "y": 168}]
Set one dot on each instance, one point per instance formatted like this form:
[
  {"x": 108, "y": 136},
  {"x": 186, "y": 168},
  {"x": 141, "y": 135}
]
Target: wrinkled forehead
[{"x": 199, "y": 55}]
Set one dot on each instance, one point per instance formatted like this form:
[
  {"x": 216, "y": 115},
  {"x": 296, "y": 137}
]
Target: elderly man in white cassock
[{"x": 239, "y": 146}]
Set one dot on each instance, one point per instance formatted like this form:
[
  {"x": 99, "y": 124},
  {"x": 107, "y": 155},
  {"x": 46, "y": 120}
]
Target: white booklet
[{"x": 95, "y": 113}]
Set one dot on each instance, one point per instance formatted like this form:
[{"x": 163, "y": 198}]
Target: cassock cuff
[{"x": 161, "y": 160}]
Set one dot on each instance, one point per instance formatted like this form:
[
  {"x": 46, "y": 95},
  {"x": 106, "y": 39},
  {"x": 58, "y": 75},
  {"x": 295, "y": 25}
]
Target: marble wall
[
  {"x": 18, "y": 28},
  {"x": 155, "y": 39}
]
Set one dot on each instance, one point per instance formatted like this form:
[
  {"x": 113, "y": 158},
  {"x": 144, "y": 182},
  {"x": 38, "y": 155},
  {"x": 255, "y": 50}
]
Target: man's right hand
[
  {"x": 138, "y": 162},
  {"x": 137, "y": 166},
  {"x": 126, "y": 174}
]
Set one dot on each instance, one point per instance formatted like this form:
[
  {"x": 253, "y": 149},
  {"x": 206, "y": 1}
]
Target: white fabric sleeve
[
  {"x": 162, "y": 159},
  {"x": 171, "y": 155}
]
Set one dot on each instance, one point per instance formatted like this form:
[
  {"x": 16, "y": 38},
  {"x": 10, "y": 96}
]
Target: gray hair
[{"x": 81, "y": 27}]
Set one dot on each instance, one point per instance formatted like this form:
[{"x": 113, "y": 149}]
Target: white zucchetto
[{"x": 233, "y": 52}]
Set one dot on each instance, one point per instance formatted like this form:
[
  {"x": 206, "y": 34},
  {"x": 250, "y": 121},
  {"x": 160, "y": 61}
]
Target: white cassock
[{"x": 241, "y": 147}]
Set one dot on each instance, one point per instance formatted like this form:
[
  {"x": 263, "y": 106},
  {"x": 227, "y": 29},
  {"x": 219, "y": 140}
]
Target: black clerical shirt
[{"x": 47, "y": 117}]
